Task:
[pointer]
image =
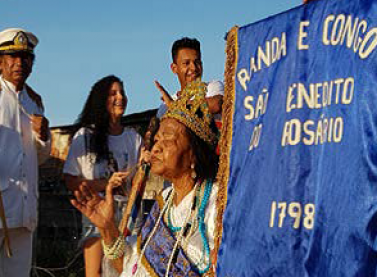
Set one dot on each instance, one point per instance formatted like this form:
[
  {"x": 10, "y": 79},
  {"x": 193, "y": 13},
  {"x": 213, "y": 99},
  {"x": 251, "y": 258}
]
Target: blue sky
[{"x": 82, "y": 41}]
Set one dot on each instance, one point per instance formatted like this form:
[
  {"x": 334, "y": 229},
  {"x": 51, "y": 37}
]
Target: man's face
[
  {"x": 16, "y": 67},
  {"x": 187, "y": 66}
]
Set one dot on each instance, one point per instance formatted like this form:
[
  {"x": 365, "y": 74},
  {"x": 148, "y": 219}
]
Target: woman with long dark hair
[{"x": 101, "y": 148}]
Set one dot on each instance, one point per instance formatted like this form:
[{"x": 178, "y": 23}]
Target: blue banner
[{"x": 302, "y": 188}]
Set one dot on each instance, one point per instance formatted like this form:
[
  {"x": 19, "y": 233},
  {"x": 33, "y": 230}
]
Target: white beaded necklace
[
  {"x": 153, "y": 232},
  {"x": 167, "y": 204},
  {"x": 180, "y": 236}
]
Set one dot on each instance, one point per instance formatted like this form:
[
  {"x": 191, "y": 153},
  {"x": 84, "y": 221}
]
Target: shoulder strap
[{"x": 35, "y": 97}]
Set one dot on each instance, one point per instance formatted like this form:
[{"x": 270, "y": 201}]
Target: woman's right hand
[
  {"x": 118, "y": 178},
  {"x": 145, "y": 156}
]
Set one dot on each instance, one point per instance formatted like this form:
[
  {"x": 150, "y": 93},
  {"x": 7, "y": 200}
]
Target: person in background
[
  {"x": 24, "y": 143},
  {"x": 101, "y": 148},
  {"x": 187, "y": 65}
]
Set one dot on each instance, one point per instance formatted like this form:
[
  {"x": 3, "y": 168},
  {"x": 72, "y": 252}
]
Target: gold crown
[{"x": 191, "y": 109}]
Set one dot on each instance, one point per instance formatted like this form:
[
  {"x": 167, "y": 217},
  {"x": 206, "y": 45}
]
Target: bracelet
[{"x": 116, "y": 250}]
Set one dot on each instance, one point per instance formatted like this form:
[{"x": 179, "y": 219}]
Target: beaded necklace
[
  {"x": 199, "y": 204},
  {"x": 167, "y": 216},
  {"x": 182, "y": 233},
  {"x": 136, "y": 265},
  {"x": 202, "y": 228},
  {"x": 197, "y": 217}
]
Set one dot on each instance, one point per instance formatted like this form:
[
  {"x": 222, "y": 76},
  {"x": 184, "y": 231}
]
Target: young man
[
  {"x": 187, "y": 65},
  {"x": 24, "y": 139}
]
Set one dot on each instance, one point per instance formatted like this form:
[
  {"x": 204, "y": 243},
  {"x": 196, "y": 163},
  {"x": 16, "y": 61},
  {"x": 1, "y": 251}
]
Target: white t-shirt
[
  {"x": 126, "y": 151},
  {"x": 125, "y": 148}
]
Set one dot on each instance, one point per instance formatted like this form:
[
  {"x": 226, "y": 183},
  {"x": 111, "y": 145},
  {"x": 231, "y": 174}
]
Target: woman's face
[
  {"x": 171, "y": 154},
  {"x": 116, "y": 100}
]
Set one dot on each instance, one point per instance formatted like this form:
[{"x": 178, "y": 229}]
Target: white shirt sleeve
[
  {"x": 76, "y": 154},
  {"x": 215, "y": 88}
]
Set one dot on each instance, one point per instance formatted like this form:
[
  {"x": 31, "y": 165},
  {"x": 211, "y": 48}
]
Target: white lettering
[{"x": 301, "y": 35}]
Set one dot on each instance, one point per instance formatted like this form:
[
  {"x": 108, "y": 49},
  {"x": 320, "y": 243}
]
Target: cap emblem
[{"x": 21, "y": 39}]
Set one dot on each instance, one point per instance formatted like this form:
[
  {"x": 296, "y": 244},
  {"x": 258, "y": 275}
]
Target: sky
[{"x": 82, "y": 41}]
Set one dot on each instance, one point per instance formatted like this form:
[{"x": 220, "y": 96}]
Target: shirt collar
[{"x": 11, "y": 86}]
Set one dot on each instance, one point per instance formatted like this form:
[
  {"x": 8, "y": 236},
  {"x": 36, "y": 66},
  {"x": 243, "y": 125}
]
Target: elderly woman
[
  {"x": 100, "y": 148},
  {"x": 178, "y": 235}
]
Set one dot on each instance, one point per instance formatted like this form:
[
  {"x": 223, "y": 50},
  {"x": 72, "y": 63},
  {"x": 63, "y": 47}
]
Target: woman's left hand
[{"x": 118, "y": 178}]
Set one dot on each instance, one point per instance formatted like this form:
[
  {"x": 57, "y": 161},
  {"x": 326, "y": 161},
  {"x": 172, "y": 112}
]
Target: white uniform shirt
[
  {"x": 19, "y": 151},
  {"x": 213, "y": 88},
  {"x": 178, "y": 216}
]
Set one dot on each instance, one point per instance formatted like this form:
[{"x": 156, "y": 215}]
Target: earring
[{"x": 193, "y": 173}]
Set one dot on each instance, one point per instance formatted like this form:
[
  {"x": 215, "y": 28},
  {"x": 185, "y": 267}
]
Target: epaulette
[{"x": 35, "y": 97}]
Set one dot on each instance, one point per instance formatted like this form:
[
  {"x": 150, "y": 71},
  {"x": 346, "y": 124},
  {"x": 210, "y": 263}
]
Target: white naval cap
[{"x": 15, "y": 40}]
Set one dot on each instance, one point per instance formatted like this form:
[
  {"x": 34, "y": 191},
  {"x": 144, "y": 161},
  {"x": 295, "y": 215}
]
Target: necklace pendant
[{"x": 134, "y": 269}]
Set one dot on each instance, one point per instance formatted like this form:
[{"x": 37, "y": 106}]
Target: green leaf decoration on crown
[{"x": 191, "y": 109}]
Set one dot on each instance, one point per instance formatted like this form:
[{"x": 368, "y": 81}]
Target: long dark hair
[
  {"x": 206, "y": 159},
  {"x": 95, "y": 116}
]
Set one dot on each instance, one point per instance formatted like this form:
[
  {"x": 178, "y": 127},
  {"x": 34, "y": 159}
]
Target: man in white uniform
[{"x": 24, "y": 140}]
